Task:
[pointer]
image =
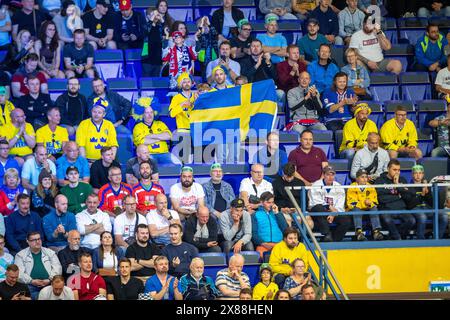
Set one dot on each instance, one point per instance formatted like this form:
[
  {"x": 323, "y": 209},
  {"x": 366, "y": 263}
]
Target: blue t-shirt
[
  {"x": 81, "y": 163},
  {"x": 331, "y": 97},
  {"x": 153, "y": 284},
  {"x": 278, "y": 40}
]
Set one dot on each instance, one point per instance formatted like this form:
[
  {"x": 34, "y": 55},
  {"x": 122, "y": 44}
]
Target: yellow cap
[{"x": 362, "y": 106}]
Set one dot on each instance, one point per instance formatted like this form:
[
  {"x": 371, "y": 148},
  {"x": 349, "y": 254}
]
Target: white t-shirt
[
  {"x": 92, "y": 240},
  {"x": 247, "y": 186},
  {"x": 187, "y": 200},
  {"x": 47, "y": 294},
  {"x": 125, "y": 227},
  {"x": 110, "y": 261},
  {"x": 153, "y": 218},
  {"x": 443, "y": 78},
  {"x": 367, "y": 45}
]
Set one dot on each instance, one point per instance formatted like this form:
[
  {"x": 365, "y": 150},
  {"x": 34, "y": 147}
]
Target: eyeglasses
[
  {"x": 246, "y": 29},
  {"x": 35, "y": 240},
  {"x": 3, "y": 149},
  {"x": 131, "y": 204}
]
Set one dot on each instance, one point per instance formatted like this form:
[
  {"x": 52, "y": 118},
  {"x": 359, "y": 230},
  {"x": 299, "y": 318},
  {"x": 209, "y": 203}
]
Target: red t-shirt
[
  {"x": 309, "y": 165},
  {"x": 23, "y": 79},
  {"x": 88, "y": 288},
  {"x": 146, "y": 198}
]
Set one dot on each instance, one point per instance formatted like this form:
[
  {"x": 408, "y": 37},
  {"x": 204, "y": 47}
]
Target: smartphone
[
  {"x": 306, "y": 275},
  {"x": 22, "y": 293},
  {"x": 223, "y": 57}
]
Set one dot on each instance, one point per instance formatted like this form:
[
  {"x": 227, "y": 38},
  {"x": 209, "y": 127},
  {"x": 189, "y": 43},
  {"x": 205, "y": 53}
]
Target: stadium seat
[
  {"x": 214, "y": 262},
  {"x": 251, "y": 265},
  {"x": 411, "y": 29},
  {"x": 127, "y": 87},
  {"x": 402, "y": 52},
  {"x": 56, "y": 87},
  {"x": 426, "y": 142},
  {"x": 384, "y": 86},
  {"x": 434, "y": 166},
  {"x": 342, "y": 170},
  {"x": 266, "y": 256},
  {"x": 389, "y": 107},
  {"x": 337, "y": 54},
  {"x": 86, "y": 87},
  {"x": 133, "y": 65},
  {"x": 109, "y": 63},
  {"x": 126, "y": 148},
  {"x": 207, "y": 8},
  {"x": 377, "y": 114},
  {"x": 389, "y": 25},
  {"x": 428, "y": 110},
  {"x": 158, "y": 87},
  {"x": 180, "y": 10},
  {"x": 338, "y": 134},
  {"x": 3, "y": 54},
  {"x": 415, "y": 85},
  {"x": 406, "y": 165}
]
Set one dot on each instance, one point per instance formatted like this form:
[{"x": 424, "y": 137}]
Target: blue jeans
[
  {"x": 407, "y": 224},
  {"x": 347, "y": 154},
  {"x": 374, "y": 219},
  {"x": 164, "y": 158},
  {"x": 421, "y": 219},
  {"x": 34, "y": 291}
]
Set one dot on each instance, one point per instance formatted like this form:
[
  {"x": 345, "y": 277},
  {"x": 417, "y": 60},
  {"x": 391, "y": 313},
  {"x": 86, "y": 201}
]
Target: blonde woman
[
  {"x": 11, "y": 185},
  {"x": 68, "y": 21}
]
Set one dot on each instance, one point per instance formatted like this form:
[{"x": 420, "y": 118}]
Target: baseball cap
[
  {"x": 313, "y": 21},
  {"x": 270, "y": 19},
  {"x": 360, "y": 172},
  {"x": 242, "y": 22},
  {"x": 216, "y": 166},
  {"x": 2, "y": 91},
  {"x": 265, "y": 266},
  {"x": 187, "y": 169},
  {"x": 176, "y": 34},
  {"x": 124, "y": 5},
  {"x": 72, "y": 168},
  {"x": 237, "y": 203},
  {"x": 102, "y": 2},
  {"x": 328, "y": 169}
]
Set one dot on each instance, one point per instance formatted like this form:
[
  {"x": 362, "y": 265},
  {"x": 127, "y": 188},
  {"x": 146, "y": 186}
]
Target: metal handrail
[{"x": 317, "y": 246}]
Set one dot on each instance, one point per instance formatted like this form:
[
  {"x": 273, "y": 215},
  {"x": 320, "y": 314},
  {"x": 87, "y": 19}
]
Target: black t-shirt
[
  {"x": 7, "y": 292},
  {"x": 78, "y": 57},
  {"x": 281, "y": 197},
  {"x": 4, "y": 79},
  {"x": 76, "y": 109},
  {"x": 128, "y": 291},
  {"x": 35, "y": 108},
  {"x": 26, "y": 21},
  {"x": 99, "y": 173},
  {"x": 220, "y": 204},
  {"x": 136, "y": 252},
  {"x": 97, "y": 27},
  {"x": 237, "y": 43}
]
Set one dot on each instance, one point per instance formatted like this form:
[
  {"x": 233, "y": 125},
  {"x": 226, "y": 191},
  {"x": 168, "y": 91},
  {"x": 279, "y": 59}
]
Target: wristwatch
[{"x": 170, "y": 217}]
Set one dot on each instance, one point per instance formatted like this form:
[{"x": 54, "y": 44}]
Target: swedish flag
[{"x": 251, "y": 106}]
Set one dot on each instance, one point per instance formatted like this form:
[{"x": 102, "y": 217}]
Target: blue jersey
[{"x": 331, "y": 97}]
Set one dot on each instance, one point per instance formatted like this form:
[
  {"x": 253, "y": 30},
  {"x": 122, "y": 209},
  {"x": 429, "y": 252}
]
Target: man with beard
[
  {"x": 232, "y": 68},
  {"x": 371, "y": 158},
  {"x": 79, "y": 57},
  {"x": 146, "y": 190},
  {"x": 196, "y": 286},
  {"x": 370, "y": 42},
  {"x": 70, "y": 254},
  {"x": 182, "y": 104},
  {"x": 124, "y": 286},
  {"x": 142, "y": 254},
  {"x": 284, "y": 253},
  {"x": 73, "y": 106},
  {"x": 132, "y": 170},
  {"x": 125, "y": 223},
  {"x": 219, "y": 76},
  {"x": 187, "y": 195},
  {"x": 309, "y": 45},
  {"x": 162, "y": 286},
  {"x": 257, "y": 66},
  {"x": 356, "y": 131}
]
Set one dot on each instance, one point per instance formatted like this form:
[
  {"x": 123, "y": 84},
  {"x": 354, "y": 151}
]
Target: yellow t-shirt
[
  {"x": 181, "y": 113},
  {"x": 260, "y": 291},
  {"x": 93, "y": 138},
  {"x": 393, "y": 137},
  {"x": 141, "y": 130},
  {"x": 5, "y": 116},
  {"x": 52, "y": 141},
  {"x": 355, "y": 137},
  {"x": 20, "y": 148}
]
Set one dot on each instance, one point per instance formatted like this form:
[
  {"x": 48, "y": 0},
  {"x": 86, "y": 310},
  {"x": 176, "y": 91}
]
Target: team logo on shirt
[{"x": 370, "y": 42}]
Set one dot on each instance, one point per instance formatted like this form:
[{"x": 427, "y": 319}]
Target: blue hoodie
[
  {"x": 428, "y": 52},
  {"x": 322, "y": 76},
  {"x": 51, "y": 221},
  {"x": 18, "y": 227}
]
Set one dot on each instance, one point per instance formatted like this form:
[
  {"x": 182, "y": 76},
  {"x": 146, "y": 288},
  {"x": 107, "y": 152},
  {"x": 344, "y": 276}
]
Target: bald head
[
  {"x": 17, "y": 116},
  {"x": 161, "y": 202},
  {"x": 142, "y": 152},
  {"x": 236, "y": 260},
  {"x": 203, "y": 215}
]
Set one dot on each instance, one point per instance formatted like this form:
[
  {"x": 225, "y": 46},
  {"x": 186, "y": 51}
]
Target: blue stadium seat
[
  {"x": 127, "y": 87},
  {"x": 337, "y": 54},
  {"x": 86, "y": 87},
  {"x": 377, "y": 114},
  {"x": 415, "y": 85},
  {"x": 428, "y": 110},
  {"x": 3, "y": 54},
  {"x": 406, "y": 165},
  {"x": 158, "y": 87},
  {"x": 109, "y": 63},
  {"x": 384, "y": 86},
  {"x": 426, "y": 142},
  {"x": 338, "y": 136},
  {"x": 126, "y": 148},
  {"x": 411, "y": 29},
  {"x": 389, "y": 107},
  {"x": 342, "y": 170},
  {"x": 402, "y": 52},
  {"x": 207, "y": 8},
  {"x": 56, "y": 87},
  {"x": 389, "y": 25},
  {"x": 214, "y": 262},
  {"x": 133, "y": 65},
  {"x": 266, "y": 256},
  {"x": 434, "y": 166}
]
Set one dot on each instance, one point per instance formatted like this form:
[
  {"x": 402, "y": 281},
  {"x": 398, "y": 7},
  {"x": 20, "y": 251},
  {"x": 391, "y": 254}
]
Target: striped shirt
[{"x": 223, "y": 278}]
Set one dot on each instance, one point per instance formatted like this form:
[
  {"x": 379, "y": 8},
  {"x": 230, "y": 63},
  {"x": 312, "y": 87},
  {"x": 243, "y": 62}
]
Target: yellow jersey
[
  {"x": 215, "y": 89},
  {"x": 182, "y": 112},
  {"x": 52, "y": 141},
  {"x": 20, "y": 148},
  {"x": 356, "y": 197},
  {"x": 5, "y": 116},
  {"x": 393, "y": 137},
  {"x": 355, "y": 137},
  {"x": 260, "y": 291},
  {"x": 93, "y": 137},
  {"x": 141, "y": 130}
]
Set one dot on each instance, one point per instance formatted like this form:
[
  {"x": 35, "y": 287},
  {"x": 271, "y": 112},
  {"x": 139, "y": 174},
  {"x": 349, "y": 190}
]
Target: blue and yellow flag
[{"x": 251, "y": 106}]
